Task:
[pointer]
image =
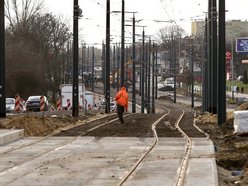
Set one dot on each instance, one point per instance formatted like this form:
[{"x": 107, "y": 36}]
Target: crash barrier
[
  {"x": 240, "y": 122},
  {"x": 42, "y": 103},
  {"x": 18, "y": 103},
  {"x": 68, "y": 104},
  {"x": 58, "y": 104}
]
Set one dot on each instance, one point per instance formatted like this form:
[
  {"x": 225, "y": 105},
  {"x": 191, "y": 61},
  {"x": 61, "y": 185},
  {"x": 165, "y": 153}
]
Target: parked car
[
  {"x": 10, "y": 104},
  {"x": 33, "y": 103},
  {"x": 160, "y": 85},
  {"x": 112, "y": 106},
  {"x": 240, "y": 78}
]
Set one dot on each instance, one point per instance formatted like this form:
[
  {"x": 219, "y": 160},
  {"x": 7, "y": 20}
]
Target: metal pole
[
  {"x": 142, "y": 71},
  {"x": 107, "y": 61},
  {"x": 210, "y": 40},
  {"x": 134, "y": 78},
  {"x": 114, "y": 66},
  {"x": 118, "y": 68},
  {"x": 205, "y": 71},
  {"x": 92, "y": 69},
  {"x": 192, "y": 72},
  {"x": 153, "y": 71},
  {"x": 232, "y": 70},
  {"x": 222, "y": 65},
  {"x": 156, "y": 80},
  {"x": 140, "y": 77},
  {"x": 123, "y": 43},
  {"x": 2, "y": 61},
  {"x": 103, "y": 65},
  {"x": 215, "y": 58},
  {"x": 82, "y": 67},
  {"x": 174, "y": 65},
  {"x": 149, "y": 77},
  {"x": 75, "y": 61},
  {"x": 145, "y": 73}
]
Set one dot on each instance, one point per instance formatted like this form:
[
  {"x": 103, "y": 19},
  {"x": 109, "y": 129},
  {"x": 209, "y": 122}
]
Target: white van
[{"x": 85, "y": 98}]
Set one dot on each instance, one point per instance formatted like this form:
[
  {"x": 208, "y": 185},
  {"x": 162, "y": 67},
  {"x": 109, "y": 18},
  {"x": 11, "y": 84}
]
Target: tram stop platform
[{"x": 8, "y": 136}]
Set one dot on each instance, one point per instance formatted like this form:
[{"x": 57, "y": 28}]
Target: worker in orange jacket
[{"x": 122, "y": 102}]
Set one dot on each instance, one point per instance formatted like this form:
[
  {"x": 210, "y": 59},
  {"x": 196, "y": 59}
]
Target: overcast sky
[{"x": 93, "y": 24}]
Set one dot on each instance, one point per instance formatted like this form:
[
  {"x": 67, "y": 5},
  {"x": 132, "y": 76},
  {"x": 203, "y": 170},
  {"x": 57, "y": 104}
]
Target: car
[
  {"x": 166, "y": 88},
  {"x": 160, "y": 85},
  {"x": 240, "y": 78},
  {"x": 33, "y": 103},
  {"x": 10, "y": 104},
  {"x": 112, "y": 106}
]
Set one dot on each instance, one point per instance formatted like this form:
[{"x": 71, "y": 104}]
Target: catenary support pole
[
  {"x": 75, "y": 111},
  {"x": 222, "y": 65},
  {"x": 134, "y": 66},
  {"x": 205, "y": 71},
  {"x": 156, "y": 69},
  {"x": 215, "y": 58},
  {"x": 192, "y": 72},
  {"x": 142, "y": 71},
  {"x": 107, "y": 61},
  {"x": 123, "y": 43},
  {"x": 92, "y": 69},
  {"x": 149, "y": 77},
  {"x": 210, "y": 54},
  {"x": 2, "y": 61},
  {"x": 153, "y": 78}
]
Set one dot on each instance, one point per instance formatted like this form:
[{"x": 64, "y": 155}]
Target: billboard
[{"x": 242, "y": 45}]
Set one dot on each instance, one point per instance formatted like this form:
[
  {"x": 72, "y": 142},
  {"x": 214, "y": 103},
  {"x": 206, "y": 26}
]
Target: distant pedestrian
[
  {"x": 237, "y": 89},
  {"x": 122, "y": 102},
  {"x": 242, "y": 90}
]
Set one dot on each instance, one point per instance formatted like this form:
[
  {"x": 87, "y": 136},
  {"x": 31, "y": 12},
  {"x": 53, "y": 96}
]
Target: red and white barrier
[
  {"x": 42, "y": 103},
  {"x": 52, "y": 108},
  {"x": 58, "y": 104},
  {"x": 68, "y": 104},
  {"x": 18, "y": 103}
]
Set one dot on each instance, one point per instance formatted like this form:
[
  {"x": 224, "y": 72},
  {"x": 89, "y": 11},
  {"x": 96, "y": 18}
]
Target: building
[{"x": 234, "y": 28}]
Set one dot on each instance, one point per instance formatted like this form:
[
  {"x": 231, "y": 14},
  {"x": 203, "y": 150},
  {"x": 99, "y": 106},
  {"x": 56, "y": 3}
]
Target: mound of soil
[
  {"x": 231, "y": 149},
  {"x": 37, "y": 126}
]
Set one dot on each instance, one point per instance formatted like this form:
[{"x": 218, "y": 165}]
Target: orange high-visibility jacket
[{"x": 122, "y": 97}]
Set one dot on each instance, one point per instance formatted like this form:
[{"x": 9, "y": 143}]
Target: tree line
[{"x": 36, "y": 48}]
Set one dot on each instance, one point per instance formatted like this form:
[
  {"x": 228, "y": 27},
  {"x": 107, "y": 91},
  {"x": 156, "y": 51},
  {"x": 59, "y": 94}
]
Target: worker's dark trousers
[{"x": 120, "y": 111}]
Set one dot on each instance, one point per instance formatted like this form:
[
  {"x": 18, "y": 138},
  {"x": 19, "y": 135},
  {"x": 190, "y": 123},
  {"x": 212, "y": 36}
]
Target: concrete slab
[
  {"x": 99, "y": 161},
  {"x": 8, "y": 136}
]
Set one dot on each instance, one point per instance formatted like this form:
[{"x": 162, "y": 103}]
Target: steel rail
[
  {"x": 125, "y": 178},
  {"x": 54, "y": 133}
]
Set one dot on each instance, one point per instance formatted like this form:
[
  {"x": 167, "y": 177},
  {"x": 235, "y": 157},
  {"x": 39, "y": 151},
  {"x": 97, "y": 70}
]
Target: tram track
[
  {"x": 185, "y": 158},
  {"x": 172, "y": 113}
]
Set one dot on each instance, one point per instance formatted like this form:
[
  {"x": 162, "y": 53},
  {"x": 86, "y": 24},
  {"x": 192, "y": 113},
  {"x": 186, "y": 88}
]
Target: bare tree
[
  {"x": 17, "y": 11},
  {"x": 35, "y": 43}
]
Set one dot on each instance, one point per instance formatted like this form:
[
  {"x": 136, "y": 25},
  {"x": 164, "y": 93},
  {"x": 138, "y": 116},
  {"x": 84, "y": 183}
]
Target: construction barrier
[
  {"x": 18, "y": 103},
  {"x": 68, "y": 104},
  {"x": 52, "y": 108},
  {"x": 58, "y": 104},
  {"x": 42, "y": 103}
]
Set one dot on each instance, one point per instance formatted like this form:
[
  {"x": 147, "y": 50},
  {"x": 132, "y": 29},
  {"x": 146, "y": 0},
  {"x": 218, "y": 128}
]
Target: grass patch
[{"x": 239, "y": 84}]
